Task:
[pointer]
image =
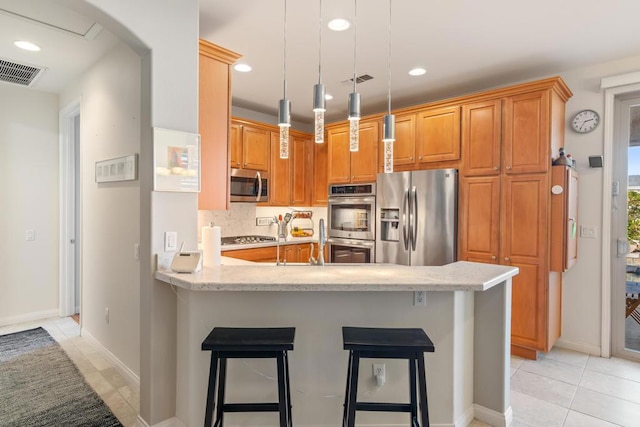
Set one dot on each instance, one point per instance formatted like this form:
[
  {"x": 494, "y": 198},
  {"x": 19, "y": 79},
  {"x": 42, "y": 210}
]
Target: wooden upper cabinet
[
  {"x": 479, "y": 219},
  {"x": 481, "y": 137},
  {"x": 438, "y": 134},
  {"x": 364, "y": 162},
  {"x": 301, "y": 166},
  {"x": 564, "y": 218},
  {"x": 319, "y": 183},
  {"x": 214, "y": 114},
  {"x": 236, "y": 145},
  {"x": 526, "y": 130},
  {"x": 404, "y": 147},
  {"x": 279, "y": 175},
  {"x": 339, "y": 155},
  {"x": 256, "y": 144}
]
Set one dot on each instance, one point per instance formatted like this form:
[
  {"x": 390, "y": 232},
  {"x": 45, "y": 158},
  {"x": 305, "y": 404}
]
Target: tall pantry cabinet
[{"x": 505, "y": 200}]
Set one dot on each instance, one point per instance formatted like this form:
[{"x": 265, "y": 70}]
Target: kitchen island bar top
[{"x": 236, "y": 275}]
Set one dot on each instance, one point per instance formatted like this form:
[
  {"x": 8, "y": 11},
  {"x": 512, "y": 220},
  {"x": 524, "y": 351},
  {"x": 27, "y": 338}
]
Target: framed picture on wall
[
  {"x": 176, "y": 163},
  {"x": 118, "y": 169}
]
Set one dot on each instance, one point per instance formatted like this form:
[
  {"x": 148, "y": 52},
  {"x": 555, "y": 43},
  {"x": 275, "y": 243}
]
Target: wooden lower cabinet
[
  {"x": 266, "y": 254},
  {"x": 294, "y": 252}
]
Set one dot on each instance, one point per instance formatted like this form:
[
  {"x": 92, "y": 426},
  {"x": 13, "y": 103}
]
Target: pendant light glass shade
[
  {"x": 284, "y": 123},
  {"x": 388, "y": 137},
  {"x": 319, "y": 109},
  {"x": 354, "y": 121}
]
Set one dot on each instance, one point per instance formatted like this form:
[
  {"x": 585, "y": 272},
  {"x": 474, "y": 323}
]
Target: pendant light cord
[
  {"x": 320, "y": 45},
  {"x": 389, "y": 70},
  {"x": 355, "y": 41},
  {"x": 285, "y": 50}
]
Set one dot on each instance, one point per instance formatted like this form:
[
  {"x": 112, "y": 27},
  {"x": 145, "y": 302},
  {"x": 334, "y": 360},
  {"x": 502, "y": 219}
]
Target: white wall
[
  {"x": 28, "y": 200},
  {"x": 582, "y": 299},
  {"x": 110, "y": 226}
]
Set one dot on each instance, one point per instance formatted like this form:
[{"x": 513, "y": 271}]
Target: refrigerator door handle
[
  {"x": 414, "y": 236},
  {"x": 406, "y": 210}
]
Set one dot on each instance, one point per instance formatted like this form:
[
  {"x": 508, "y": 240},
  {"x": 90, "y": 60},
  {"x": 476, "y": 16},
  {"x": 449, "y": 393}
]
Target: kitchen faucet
[{"x": 322, "y": 241}]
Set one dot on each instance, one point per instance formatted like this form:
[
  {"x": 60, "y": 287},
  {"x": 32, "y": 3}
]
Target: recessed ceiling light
[
  {"x": 338, "y": 24},
  {"x": 243, "y": 68},
  {"x": 328, "y": 97},
  {"x": 27, "y": 45},
  {"x": 417, "y": 71}
]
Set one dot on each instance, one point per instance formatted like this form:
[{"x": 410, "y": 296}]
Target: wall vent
[
  {"x": 359, "y": 79},
  {"x": 20, "y": 74}
]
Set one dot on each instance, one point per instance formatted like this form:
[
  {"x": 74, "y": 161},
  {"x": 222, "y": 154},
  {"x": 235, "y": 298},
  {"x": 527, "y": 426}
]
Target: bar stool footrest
[
  {"x": 251, "y": 407},
  {"x": 383, "y": 407}
]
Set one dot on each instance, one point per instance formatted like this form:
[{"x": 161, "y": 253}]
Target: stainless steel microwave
[{"x": 249, "y": 186}]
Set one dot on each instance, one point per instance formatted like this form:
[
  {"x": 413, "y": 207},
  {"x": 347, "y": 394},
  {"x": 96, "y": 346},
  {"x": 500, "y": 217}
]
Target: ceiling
[
  {"x": 70, "y": 42},
  {"x": 465, "y": 45}
]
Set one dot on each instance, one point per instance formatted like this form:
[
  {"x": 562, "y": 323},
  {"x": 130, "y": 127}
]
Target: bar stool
[
  {"x": 387, "y": 343},
  {"x": 248, "y": 343}
]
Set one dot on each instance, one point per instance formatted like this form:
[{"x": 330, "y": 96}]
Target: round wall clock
[{"x": 585, "y": 121}]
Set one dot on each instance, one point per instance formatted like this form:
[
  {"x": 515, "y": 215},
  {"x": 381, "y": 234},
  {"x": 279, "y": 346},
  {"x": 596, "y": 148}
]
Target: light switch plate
[
  {"x": 588, "y": 232},
  {"x": 170, "y": 241}
]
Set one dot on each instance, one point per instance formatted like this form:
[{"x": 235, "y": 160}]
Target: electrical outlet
[
  {"x": 30, "y": 235},
  {"x": 106, "y": 315},
  {"x": 379, "y": 374},
  {"x": 264, "y": 220},
  {"x": 136, "y": 251},
  {"x": 588, "y": 232},
  {"x": 420, "y": 298}
]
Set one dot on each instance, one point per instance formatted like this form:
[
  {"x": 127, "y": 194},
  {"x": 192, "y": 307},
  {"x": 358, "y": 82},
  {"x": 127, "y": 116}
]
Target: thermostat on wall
[{"x": 595, "y": 161}]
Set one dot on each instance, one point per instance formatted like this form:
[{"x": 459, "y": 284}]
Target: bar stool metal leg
[
  {"x": 346, "y": 393},
  {"x": 424, "y": 407},
  {"x": 413, "y": 391},
  {"x": 282, "y": 395},
  {"x": 211, "y": 390},
  {"x": 222, "y": 382},
  {"x": 353, "y": 389}
]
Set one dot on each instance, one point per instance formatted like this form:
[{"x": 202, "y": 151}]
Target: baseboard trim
[
  {"x": 171, "y": 422},
  {"x": 466, "y": 417},
  {"x": 28, "y": 317},
  {"x": 593, "y": 350},
  {"x": 492, "y": 417},
  {"x": 117, "y": 363}
]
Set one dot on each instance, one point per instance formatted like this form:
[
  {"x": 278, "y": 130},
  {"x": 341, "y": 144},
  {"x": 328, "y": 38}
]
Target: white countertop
[{"x": 239, "y": 275}]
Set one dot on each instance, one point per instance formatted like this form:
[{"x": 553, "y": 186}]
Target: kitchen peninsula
[{"x": 467, "y": 315}]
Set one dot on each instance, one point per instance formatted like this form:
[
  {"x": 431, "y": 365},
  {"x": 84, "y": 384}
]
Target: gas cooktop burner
[{"x": 244, "y": 240}]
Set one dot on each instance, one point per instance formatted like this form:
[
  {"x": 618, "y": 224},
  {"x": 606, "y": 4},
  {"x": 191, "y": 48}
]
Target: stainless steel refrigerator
[{"x": 416, "y": 217}]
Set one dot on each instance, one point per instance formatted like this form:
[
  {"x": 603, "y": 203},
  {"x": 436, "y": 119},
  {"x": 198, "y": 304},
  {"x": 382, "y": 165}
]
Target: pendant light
[
  {"x": 319, "y": 105},
  {"x": 354, "y": 97},
  {"x": 284, "y": 106},
  {"x": 389, "y": 120}
]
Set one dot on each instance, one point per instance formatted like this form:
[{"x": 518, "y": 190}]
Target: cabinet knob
[
  {"x": 420, "y": 158},
  {"x": 493, "y": 257},
  {"x": 410, "y": 158},
  {"x": 506, "y": 258},
  {"x": 353, "y": 177},
  {"x": 246, "y": 164},
  {"x": 495, "y": 168},
  {"x": 508, "y": 167}
]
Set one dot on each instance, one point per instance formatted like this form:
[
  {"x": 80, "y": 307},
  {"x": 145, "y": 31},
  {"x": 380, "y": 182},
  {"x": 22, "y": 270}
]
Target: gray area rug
[{"x": 40, "y": 386}]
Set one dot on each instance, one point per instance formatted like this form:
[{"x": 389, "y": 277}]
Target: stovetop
[{"x": 246, "y": 240}]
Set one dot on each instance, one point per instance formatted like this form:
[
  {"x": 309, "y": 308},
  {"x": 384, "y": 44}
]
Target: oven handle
[
  {"x": 259, "y": 178},
  {"x": 345, "y": 242},
  {"x": 350, "y": 200}
]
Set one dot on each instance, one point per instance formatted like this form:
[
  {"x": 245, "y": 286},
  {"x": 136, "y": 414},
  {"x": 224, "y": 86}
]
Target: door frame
[
  {"x": 70, "y": 218},
  {"x": 614, "y": 87}
]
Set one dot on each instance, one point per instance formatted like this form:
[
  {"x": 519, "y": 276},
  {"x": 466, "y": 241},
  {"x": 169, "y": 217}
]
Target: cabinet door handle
[
  {"x": 411, "y": 158},
  {"x": 508, "y": 167},
  {"x": 495, "y": 168},
  {"x": 353, "y": 177},
  {"x": 493, "y": 257},
  {"x": 506, "y": 258},
  {"x": 420, "y": 158}
]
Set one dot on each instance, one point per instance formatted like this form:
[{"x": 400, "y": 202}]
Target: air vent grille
[
  {"x": 21, "y": 74},
  {"x": 359, "y": 79}
]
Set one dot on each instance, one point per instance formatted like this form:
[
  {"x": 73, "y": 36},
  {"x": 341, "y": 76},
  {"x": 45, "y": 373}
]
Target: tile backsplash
[{"x": 240, "y": 219}]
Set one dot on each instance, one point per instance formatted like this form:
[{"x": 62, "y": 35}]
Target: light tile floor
[
  {"x": 562, "y": 388},
  {"x": 122, "y": 398}
]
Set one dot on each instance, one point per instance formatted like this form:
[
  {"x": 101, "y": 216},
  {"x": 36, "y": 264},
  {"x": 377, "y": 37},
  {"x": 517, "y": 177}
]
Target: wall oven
[
  {"x": 351, "y": 223},
  {"x": 249, "y": 186}
]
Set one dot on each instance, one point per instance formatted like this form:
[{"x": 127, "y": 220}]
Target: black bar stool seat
[
  {"x": 249, "y": 343},
  {"x": 387, "y": 343}
]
